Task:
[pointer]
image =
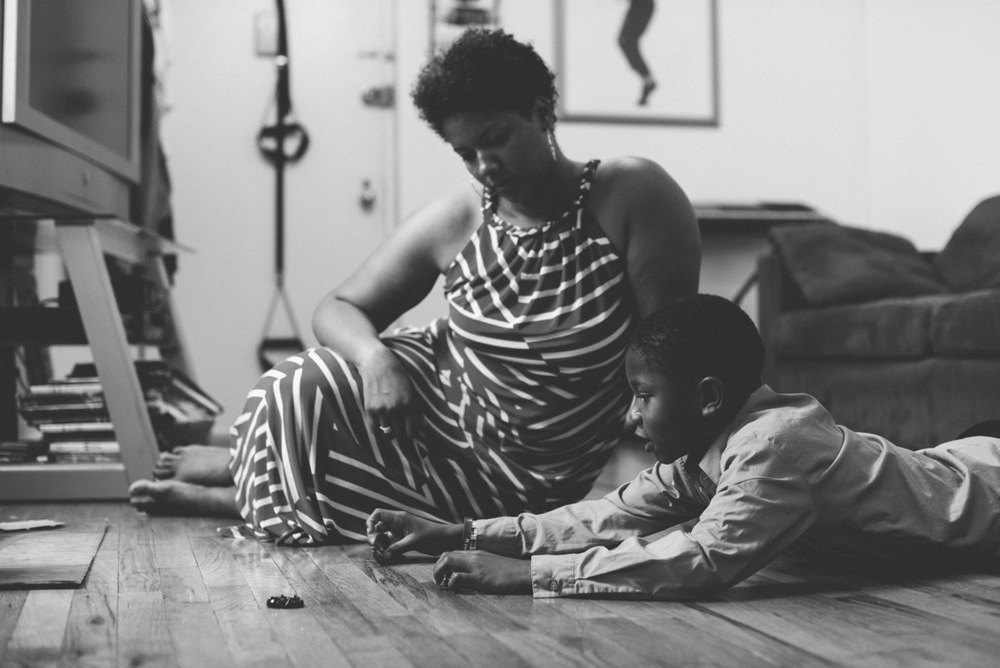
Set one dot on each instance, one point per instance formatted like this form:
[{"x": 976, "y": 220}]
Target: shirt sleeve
[
  {"x": 657, "y": 498},
  {"x": 756, "y": 513}
]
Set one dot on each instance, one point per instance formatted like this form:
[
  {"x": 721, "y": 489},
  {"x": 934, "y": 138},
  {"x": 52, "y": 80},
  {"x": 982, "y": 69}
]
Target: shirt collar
[{"x": 711, "y": 462}]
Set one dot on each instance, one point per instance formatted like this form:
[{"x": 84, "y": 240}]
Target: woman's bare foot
[
  {"x": 176, "y": 497},
  {"x": 205, "y": 465}
]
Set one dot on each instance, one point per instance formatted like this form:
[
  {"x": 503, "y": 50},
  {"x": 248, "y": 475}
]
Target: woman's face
[{"x": 503, "y": 150}]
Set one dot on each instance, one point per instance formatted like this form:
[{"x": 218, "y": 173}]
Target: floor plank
[
  {"x": 692, "y": 629},
  {"x": 195, "y": 635},
  {"x": 143, "y": 636},
  {"x": 241, "y": 623},
  {"x": 92, "y": 628},
  {"x": 539, "y": 649},
  {"x": 11, "y": 604},
  {"x": 37, "y": 638}
]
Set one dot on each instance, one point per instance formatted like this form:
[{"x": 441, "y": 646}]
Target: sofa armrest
[
  {"x": 776, "y": 294},
  {"x": 768, "y": 305}
]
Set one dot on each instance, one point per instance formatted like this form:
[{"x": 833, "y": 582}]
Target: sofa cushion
[
  {"x": 897, "y": 328},
  {"x": 967, "y": 325},
  {"x": 971, "y": 258},
  {"x": 836, "y": 264}
]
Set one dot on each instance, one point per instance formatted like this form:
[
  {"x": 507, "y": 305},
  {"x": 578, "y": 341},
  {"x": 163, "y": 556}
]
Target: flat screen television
[{"x": 69, "y": 105}]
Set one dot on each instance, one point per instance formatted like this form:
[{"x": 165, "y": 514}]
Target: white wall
[
  {"x": 934, "y": 102},
  {"x": 879, "y": 113}
]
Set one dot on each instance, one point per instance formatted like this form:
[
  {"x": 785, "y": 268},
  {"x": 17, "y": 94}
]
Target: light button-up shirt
[{"x": 783, "y": 473}]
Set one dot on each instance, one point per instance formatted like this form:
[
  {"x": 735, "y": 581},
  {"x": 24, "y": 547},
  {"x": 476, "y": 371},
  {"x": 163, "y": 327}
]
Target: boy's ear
[{"x": 712, "y": 396}]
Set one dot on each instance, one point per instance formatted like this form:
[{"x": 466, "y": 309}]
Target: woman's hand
[
  {"x": 388, "y": 394},
  {"x": 407, "y": 532},
  {"x": 483, "y": 571}
]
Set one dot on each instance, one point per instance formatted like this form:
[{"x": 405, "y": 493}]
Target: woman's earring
[
  {"x": 474, "y": 182},
  {"x": 552, "y": 145}
]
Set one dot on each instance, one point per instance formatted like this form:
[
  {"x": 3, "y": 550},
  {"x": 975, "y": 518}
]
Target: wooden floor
[{"x": 166, "y": 591}]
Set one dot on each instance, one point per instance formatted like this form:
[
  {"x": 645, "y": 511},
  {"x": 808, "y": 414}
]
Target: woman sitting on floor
[{"x": 513, "y": 402}]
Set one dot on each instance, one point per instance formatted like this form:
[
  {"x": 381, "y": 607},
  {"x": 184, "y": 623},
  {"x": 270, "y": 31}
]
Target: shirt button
[{"x": 554, "y": 585}]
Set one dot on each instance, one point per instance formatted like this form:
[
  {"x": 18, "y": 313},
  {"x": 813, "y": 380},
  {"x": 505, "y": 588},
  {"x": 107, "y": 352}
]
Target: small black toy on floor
[
  {"x": 379, "y": 545},
  {"x": 285, "y": 602}
]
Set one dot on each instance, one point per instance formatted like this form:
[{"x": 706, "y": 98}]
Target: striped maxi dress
[{"x": 521, "y": 389}]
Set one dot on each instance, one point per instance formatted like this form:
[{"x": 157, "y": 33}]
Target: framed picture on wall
[
  {"x": 637, "y": 61},
  {"x": 450, "y": 18}
]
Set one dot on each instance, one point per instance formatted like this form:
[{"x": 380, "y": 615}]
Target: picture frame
[
  {"x": 603, "y": 48},
  {"x": 450, "y": 18}
]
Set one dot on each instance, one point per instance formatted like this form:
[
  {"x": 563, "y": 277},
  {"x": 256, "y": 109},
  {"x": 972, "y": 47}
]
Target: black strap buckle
[{"x": 284, "y": 142}]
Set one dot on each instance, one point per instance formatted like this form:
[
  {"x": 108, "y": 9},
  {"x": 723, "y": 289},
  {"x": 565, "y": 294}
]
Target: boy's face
[{"x": 666, "y": 412}]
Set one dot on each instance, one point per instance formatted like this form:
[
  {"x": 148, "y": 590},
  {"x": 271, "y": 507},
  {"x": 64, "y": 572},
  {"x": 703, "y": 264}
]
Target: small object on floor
[
  {"x": 27, "y": 525},
  {"x": 285, "y": 602},
  {"x": 379, "y": 546}
]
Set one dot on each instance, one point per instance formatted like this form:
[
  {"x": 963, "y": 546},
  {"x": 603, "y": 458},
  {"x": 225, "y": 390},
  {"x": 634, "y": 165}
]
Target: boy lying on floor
[{"x": 747, "y": 473}]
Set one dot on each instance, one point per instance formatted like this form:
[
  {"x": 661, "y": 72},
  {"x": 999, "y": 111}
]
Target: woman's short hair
[
  {"x": 484, "y": 70},
  {"x": 697, "y": 336}
]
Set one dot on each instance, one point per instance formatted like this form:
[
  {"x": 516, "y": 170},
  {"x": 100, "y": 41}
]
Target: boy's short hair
[
  {"x": 483, "y": 70},
  {"x": 702, "y": 335}
]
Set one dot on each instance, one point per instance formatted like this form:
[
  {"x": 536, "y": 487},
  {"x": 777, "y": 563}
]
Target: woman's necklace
[{"x": 561, "y": 195}]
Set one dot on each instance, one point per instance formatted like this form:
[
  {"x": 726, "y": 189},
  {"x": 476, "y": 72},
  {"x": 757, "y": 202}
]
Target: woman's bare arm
[
  {"x": 395, "y": 278},
  {"x": 651, "y": 222}
]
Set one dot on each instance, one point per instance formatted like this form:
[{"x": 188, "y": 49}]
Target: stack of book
[
  {"x": 21, "y": 452},
  {"x": 73, "y": 419}
]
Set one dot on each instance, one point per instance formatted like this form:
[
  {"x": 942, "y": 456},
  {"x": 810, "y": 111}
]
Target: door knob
[{"x": 367, "y": 198}]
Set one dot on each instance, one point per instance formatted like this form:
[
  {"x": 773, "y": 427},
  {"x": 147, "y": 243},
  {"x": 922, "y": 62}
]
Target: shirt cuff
[
  {"x": 499, "y": 535},
  {"x": 553, "y": 575}
]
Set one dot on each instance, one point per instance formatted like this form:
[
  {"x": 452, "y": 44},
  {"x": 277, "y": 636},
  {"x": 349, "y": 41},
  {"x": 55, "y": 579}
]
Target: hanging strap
[
  {"x": 272, "y": 140},
  {"x": 282, "y": 143},
  {"x": 272, "y": 350}
]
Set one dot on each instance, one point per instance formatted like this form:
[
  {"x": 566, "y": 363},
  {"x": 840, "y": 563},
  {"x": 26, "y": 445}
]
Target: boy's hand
[
  {"x": 483, "y": 571},
  {"x": 407, "y": 532}
]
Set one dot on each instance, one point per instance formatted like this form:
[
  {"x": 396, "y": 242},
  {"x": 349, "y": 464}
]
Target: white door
[
  {"x": 341, "y": 195},
  {"x": 219, "y": 93}
]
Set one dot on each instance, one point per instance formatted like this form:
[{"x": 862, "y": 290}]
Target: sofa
[{"x": 891, "y": 340}]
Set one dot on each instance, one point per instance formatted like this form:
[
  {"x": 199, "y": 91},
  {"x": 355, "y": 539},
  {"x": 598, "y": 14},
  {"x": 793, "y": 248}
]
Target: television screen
[
  {"x": 77, "y": 69},
  {"x": 69, "y": 76}
]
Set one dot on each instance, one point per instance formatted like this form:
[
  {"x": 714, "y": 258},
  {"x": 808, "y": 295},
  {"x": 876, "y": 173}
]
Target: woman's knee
[{"x": 310, "y": 369}]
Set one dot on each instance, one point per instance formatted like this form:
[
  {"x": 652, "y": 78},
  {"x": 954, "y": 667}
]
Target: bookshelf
[{"x": 83, "y": 243}]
